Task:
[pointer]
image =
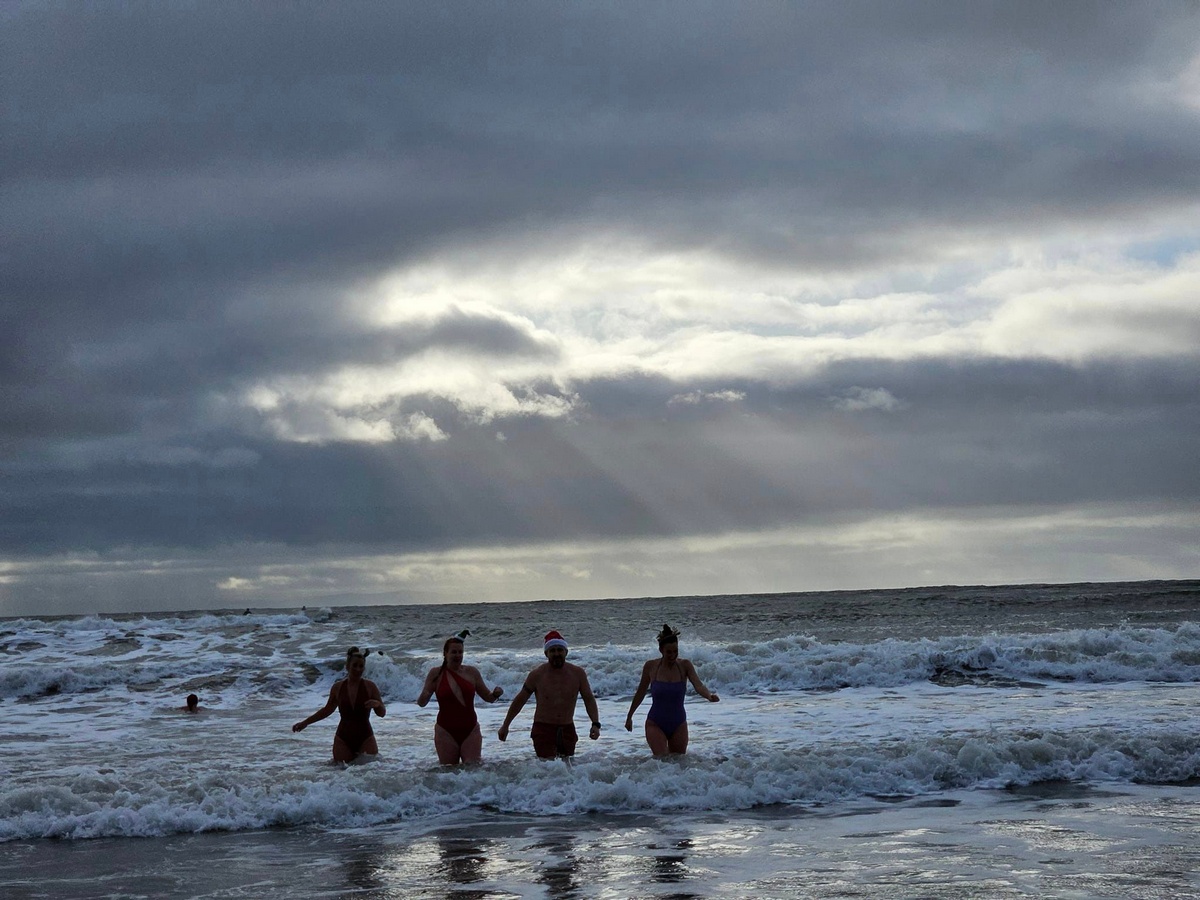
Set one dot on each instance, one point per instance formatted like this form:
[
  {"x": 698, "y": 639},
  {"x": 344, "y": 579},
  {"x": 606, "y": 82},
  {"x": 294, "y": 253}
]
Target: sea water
[{"x": 1033, "y": 741}]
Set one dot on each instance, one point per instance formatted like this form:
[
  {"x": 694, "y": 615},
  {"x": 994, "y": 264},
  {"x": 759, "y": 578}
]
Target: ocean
[{"x": 1025, "y": 741}]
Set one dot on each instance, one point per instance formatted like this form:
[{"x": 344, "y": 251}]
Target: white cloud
[
  {"x": 1095, "y": 308},
  {"x": 417, "y": 427},
  {"x": 612, "y": 310},
  {"x": 860, "y": 399},
  {"x": 694, "y": 398}
]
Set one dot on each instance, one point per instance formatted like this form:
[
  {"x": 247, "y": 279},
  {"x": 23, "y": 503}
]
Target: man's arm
[
  {"x": 527, "y": 690},
  {"x": 589, "y": 703}
]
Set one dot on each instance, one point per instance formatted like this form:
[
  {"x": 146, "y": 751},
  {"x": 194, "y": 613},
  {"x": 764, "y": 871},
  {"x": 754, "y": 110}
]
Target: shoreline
[{"x": 1050, "y": 840}]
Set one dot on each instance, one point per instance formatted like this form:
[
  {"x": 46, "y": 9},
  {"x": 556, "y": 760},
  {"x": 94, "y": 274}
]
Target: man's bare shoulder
[
  {"x": 576, "y": 673},
  {"x": 537, "y": 672}
]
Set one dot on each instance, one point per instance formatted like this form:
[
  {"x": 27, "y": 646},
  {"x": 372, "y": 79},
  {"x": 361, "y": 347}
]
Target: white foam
[{"x": 94, "y": 743}]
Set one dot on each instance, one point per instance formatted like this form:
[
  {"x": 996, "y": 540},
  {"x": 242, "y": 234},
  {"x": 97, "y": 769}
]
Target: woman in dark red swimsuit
[
  {"x": 354, "y": 697},
  {"x": 456, "y": 735}
]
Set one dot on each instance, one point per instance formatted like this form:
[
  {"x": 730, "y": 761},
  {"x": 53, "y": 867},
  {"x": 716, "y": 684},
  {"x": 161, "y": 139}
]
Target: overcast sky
[{"x": 407, "y": 302}]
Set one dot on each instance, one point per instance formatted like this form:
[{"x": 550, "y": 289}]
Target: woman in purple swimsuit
[
  {"x": 354, "y": 697},
  {"x": 456, "y": 734},
  {"x": 666, "y": 678}
]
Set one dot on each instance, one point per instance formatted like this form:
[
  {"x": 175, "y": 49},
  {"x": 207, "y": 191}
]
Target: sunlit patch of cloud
[
  {"x": 360, "y": 403},
  {"x": 695, "y": 398},
  {"x": 418, "y": 427},
  {"x": 860, "y": 399},
  {"x": 614, "y": 310},
  {"x": 258, "y": 584},
  {"x": 1076, "y": 310}
]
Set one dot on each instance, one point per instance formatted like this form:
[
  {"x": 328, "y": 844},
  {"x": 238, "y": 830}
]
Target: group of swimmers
[{"x": 556, "y": 684}]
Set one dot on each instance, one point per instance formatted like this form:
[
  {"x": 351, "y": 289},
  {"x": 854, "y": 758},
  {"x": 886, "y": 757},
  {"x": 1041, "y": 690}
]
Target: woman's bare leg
[
  {"x": 656, "y": 739},
  {"x": 448, "y": 751},
  {"x": 341, "y": 752},
  {"x": 472, "y": 747},
  {"x": 679, "y": 739}
]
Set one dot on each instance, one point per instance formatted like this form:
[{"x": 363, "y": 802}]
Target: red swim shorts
[{"x": 550, "y": 741}]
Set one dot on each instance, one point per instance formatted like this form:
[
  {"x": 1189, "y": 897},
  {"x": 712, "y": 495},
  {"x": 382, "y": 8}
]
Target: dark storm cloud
[
  {"x": 157, "y": 156},
  {"x": 987, "y": 434},
  {"x": 191, "y": 192},
  {"x": 161, "y": 374},
  {"x": 443, "y": 121}
]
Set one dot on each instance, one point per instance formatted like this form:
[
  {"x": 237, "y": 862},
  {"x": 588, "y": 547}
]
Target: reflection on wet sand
[
  {"x": 464, "y": 862},
  {"x": 362, "y": 867},
  {"x": 671, "y": 867},
  {"x": 560, "y": 871}
]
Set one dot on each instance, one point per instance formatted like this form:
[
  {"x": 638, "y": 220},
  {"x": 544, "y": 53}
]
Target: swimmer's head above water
[
  {"x": 356, "y": 661},
  {"x": 454, "y": 644},
  {"x": 555, "y": 648}
]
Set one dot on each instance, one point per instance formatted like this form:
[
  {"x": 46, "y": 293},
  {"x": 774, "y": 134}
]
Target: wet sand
[{"x": 1053, "y": 840}]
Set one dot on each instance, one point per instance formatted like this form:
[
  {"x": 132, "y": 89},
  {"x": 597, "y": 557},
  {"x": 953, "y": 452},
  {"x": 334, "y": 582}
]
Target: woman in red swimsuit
[
  {"x": 354, "y": 697},
  {"x": 456, "y": 735}
]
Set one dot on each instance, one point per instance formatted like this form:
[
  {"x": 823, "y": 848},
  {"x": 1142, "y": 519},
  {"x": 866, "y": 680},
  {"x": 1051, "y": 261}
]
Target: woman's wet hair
[
  {"x": 668, "y": 635},
  {"x": 354, "y": 651}
]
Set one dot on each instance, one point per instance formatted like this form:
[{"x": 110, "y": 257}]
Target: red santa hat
[{"x": 554, "y": 639}]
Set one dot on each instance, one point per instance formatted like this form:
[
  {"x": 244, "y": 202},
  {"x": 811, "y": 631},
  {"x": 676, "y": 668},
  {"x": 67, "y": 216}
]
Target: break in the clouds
[{"x": 374, "y": 301}]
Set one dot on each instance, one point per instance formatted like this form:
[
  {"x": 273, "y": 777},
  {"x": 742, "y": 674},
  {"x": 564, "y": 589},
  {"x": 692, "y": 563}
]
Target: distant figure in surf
[
  {"x": 557, "y": 684},
  {"x": 666, "y": 678},
  {"x": 354, "y": 697},
  {"x": 192, "y": 704},
  {"x": 456, "y": 734}
]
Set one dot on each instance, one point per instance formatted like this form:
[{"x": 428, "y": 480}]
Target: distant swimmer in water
[
  {"x": 666, "y": 678},
  {"x": 354, "y": 697},
  {"x": 191, "y": 705},
  {"x": 456, "y": 734},
  {"x": 557, "y": 684}
]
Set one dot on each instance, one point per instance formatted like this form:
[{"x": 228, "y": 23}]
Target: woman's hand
[{"x": 629, "y": 722}]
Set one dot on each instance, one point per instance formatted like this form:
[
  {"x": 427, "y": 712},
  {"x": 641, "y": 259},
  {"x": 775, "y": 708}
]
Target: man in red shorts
[{"x": 557, "y": 684}]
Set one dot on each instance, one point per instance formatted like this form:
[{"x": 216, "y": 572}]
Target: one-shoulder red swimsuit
[{"x": 457, "y": 718}]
